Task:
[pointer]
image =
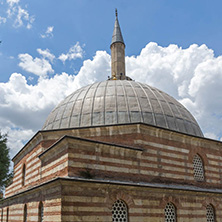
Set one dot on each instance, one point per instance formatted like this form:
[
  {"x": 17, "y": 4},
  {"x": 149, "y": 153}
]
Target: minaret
[{"x": 117, "y": 53}]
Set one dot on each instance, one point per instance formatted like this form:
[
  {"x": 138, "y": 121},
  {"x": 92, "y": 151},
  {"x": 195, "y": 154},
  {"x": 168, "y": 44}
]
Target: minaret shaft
[{"x": 118, "y": 60}]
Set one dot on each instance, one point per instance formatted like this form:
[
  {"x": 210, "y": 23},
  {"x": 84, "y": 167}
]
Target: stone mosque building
[{"x": 117, "y": 151}]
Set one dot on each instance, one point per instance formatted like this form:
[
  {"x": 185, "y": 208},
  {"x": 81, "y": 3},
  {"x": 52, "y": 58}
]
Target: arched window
[
  {"x": 23, "y": 175},
  {"x": 41, "y": 212},
  {"x": 119, "y": 212},
  {"x": 170, "y": 213},
  {"x": 25, "y": 214},
  {"x": 7, "y": 214},
  {"x": 210, "y": 213},
  {"x": 198, "y": 168}
]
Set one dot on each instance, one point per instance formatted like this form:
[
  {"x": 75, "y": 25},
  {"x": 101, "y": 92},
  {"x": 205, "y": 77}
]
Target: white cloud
[
  {"x": 2, "y": 20},
  {"x": 25, "y": 107},
  {"x": 16, "y": 138},
  {"x": 19, "y": 15},
  {"x": 22, "y": 16},
  {"x": 74, "y": 52},
  {"x": 192, "y": 75},
  {"x": 37, "y": 66},
  {"x": 46, "y": 54},
  {"x": 211, "y": 135},
  {"x": 30, "y": 78},
  {"x": 157, "y": 65},
  {"x": 48, "y": 33},
  {"x": 94, "y": 70},
  {"x": 12, "y": 2}
]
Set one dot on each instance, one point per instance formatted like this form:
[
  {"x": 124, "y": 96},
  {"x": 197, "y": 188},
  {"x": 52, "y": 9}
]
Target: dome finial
[{"x": 116, "y": 12}]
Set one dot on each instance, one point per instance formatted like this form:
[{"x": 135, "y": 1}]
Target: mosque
[{"x": 117, "y": 151}]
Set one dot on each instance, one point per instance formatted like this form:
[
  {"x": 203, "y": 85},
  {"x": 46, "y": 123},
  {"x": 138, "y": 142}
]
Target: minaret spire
[
  {"x": 117, "y": 52},
  {"x": 117, "y": 35}
]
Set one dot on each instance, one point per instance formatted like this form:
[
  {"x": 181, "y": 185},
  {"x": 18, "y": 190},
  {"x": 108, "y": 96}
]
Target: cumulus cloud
[
  {"x": 74, "y": 52},
  {"x": 16, "y": 138},
  {"x": 205, "y": 90},
  {"x": 37, "y": 66},
  {"x": 192, "y": 75},
  {"x": 48, "y": 33},
  {"x": 46, "y": 54},
  {"x": 24, "y": 107},
  {"x": 97, "y": 69},
  {"x": 158, "y": 65}
]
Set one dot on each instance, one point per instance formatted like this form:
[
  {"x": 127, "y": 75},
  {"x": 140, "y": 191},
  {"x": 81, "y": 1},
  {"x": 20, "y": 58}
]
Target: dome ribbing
[{"x": 121, "y": 102}]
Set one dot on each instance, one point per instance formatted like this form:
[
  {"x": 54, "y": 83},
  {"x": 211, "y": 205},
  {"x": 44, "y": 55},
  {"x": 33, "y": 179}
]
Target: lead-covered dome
[{"x": 121, "y": 102}]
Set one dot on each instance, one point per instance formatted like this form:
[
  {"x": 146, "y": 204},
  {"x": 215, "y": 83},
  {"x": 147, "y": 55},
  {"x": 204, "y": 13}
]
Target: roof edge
[{"x": 123, "y": 183}]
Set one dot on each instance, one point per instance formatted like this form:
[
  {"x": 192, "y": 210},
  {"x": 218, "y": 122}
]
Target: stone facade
[{"x": 78, "y": 174}]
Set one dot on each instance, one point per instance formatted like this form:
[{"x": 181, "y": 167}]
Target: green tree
[{"x": 5, "y": 176}]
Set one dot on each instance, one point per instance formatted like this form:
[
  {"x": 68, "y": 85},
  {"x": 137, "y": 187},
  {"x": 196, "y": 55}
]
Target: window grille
[
  {"x": 41, "y": 212},
  {"x": 210, "y": 213},
  {"x": 119, "y": 212},
  {"x": 170, "y": 213},
  {"x": 198, "y": 168}
]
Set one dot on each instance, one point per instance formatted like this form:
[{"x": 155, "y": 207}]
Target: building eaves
[{"x": 122, "y": 183}]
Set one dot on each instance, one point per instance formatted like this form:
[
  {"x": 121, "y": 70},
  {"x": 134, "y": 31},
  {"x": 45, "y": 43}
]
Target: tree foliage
[{"x": 5, "y": 176}]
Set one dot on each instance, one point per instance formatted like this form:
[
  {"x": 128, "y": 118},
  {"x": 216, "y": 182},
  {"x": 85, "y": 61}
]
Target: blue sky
[
  {"x": 50, "y": 48},
  {"x": 91, "y": 22}
]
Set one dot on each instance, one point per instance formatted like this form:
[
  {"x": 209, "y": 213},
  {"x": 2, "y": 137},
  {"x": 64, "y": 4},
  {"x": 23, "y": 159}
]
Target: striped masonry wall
[
  {"x": 90, "y": 202},
  {"x": 49, "y": 195},
  {"x": 134, "y": 153},
  {"x": 162, "y": 159}
]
